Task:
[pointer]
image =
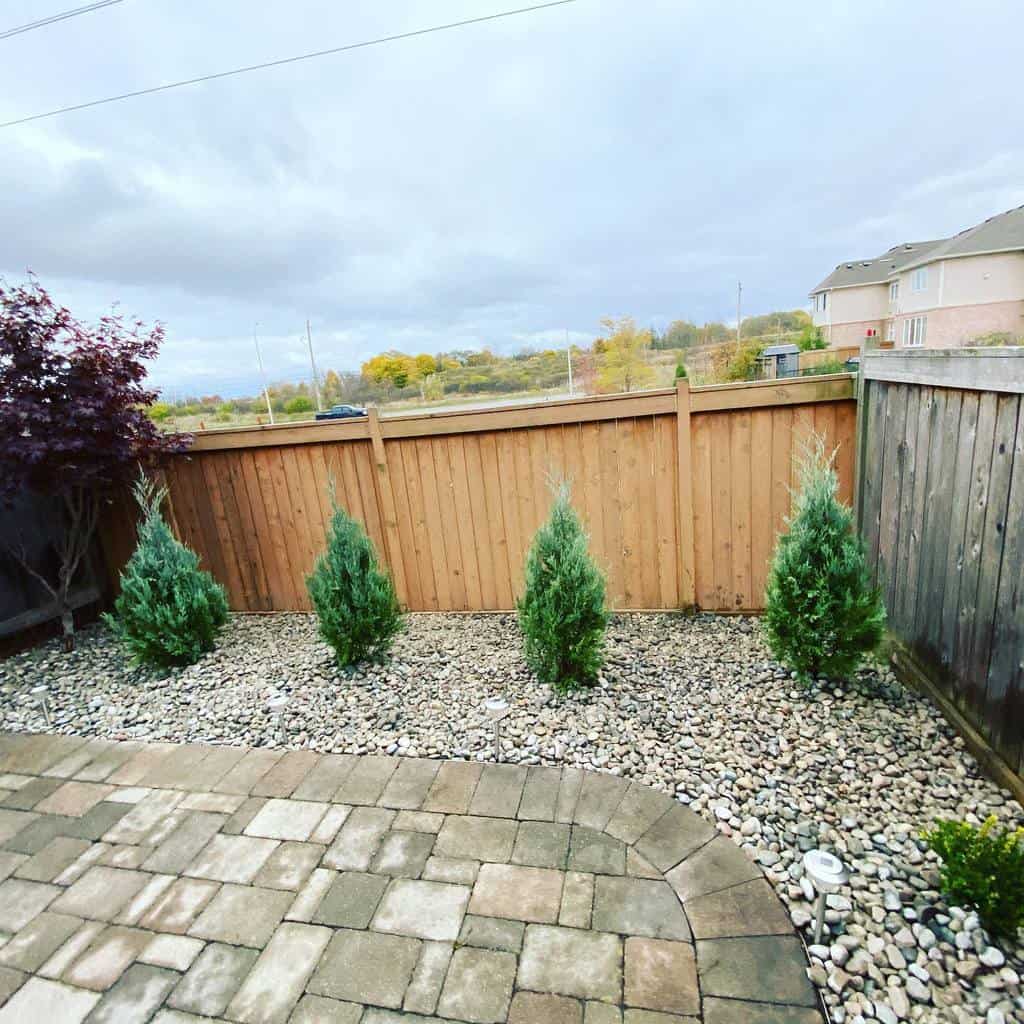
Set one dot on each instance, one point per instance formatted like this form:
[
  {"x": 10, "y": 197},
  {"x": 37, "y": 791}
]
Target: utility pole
[
  {"x": 312, "y": 365},
  {"x": 739, "y": 303},
  {"x": 263, "y": 375},
  {"x": 568, "y": 359}
]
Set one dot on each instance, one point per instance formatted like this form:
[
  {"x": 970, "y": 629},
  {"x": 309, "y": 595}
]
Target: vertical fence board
[
  {"x": 1004, "y": 695},
  {"x": 703, "y": 514}
]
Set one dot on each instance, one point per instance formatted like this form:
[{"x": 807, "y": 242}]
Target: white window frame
[
  {"x": 890, "y": 331},
  {"x": 914, "y": 331},
  {"x": 894, "y": 292},
  {"x": 919, "y": 280}
]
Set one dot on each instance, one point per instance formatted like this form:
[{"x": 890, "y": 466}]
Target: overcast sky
[{"x": 494, "y": 185}]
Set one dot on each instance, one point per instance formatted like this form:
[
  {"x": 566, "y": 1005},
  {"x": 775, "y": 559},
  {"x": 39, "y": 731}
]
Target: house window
[
  {"x": 890, "y": 331},
  {"x": 914, "y": 330},
  {"x": 920, "y": 279},
  {"x": 894, "y": 292}
]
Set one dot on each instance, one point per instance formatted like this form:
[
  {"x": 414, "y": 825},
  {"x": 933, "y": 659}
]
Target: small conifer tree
[
  {"x": 354, "y": 598},
  {"x": 823, "y": 615},
  {"x": 681, "y": 372},
  {"x": 562, "y": 611},
  {"x": 169, "y": 611}
]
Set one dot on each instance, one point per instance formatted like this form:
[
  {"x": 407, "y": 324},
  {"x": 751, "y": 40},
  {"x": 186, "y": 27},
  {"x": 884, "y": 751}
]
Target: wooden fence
[
  {"x": 940, "y": 498},
  {"x": 681, "y": 490}
]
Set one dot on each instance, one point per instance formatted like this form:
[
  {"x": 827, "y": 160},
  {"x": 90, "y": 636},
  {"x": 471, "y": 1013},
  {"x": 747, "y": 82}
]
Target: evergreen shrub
[
  {"x": 169, "y": 611},
  {"x": 353, "y": 597},
  {"x": 823, "y": 615},
  {"x": 562, "y": 611},
  {"x": 983, "y": 868}
]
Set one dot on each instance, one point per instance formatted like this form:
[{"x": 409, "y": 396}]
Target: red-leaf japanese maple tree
[{"x": 73, "y": 422}]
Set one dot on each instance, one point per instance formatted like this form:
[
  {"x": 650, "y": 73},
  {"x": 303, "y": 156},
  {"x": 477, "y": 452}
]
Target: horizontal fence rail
[
  {"x": 941, "y": 507},
  {"x": 682, "y": 492}
]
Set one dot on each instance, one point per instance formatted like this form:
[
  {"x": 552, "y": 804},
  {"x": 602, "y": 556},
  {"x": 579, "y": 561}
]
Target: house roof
[
  {"x": 877, "y": 269},
  {"x": 1002, "y": 233}
]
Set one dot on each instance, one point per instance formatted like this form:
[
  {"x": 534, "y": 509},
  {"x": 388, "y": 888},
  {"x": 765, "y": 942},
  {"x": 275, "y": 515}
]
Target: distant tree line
[{"x": 619, "y": 359}]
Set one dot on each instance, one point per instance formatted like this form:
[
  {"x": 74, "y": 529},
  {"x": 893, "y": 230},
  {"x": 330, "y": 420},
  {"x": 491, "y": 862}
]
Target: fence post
[
  {"x": 385, "y": 493},
  {"x": 687, "y": 560},
  {"x": 861, "y": 434}
]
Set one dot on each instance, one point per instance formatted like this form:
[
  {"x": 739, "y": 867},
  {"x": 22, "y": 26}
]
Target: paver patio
[{"x": 183, "y": 884}]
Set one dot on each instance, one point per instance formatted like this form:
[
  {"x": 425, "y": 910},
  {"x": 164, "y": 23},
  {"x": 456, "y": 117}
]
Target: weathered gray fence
[{"x": 940, "y": 501}]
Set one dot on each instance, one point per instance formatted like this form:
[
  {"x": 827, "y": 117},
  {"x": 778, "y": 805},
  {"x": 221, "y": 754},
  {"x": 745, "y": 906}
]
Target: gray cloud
[{"x": 494, "y": 185}]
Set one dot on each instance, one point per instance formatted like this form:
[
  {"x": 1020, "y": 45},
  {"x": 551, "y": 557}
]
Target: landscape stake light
[
  {"x": 827, "y": 874},
  {"x": 40, "y": 692},
  {"x": 276, "y": 706},
  {"x": 497, "y": 709}
]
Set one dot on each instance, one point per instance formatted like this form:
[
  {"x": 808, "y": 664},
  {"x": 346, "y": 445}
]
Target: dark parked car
[{"x": 341, "y": 412}]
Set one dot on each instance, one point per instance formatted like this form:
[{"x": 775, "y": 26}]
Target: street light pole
[
  {"x": 312, "y": 366},
  {"x": 259, "y": 360}
]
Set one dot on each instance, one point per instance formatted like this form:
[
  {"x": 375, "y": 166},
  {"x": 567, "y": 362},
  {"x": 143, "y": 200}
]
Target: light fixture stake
[
  {"x": 276, "y": 706},
  {"x": 40, "y": 692}
]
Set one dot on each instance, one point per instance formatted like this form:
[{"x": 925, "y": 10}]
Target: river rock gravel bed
[{"x": 692, "y": 706}]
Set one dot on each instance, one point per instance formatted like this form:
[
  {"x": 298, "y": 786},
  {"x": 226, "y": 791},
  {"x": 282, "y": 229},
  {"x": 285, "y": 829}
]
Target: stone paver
[
  {"x": 277, "y": 981},
  {"x": 109, "y": 956},
  {"x": 638, "y": 906},
  {"x": 541, "y": 844},
  {"x": 30, "y": 948},
  {"x": 212, "y": 980},
  {"x": 425, "y": 986},
  {"x": 426, "y": 910},
  {"x": 286, "y": 819},
  {"x": 661, "y": 975},
  {"x": 521, "y": 893},
  {"x": 571, "y": 962},
  {"x": 232, "y": 858},
  {"x": 21, "y": 901},
  {"x": 366, "y": 967},
  {"x": 289, "y": 866},
  {"x": 478, "y": 987},
  {"x": 136, "y": 995},
  {"x": 242, "y": 916},
  {"x": 177, "y": 884},
  {"x": 42, "y": 1000},
  {"x": 351, "y": 900}
]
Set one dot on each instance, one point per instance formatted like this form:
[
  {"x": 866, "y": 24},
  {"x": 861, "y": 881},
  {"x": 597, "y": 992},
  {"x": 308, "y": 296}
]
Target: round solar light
[
  {"x": 827, "y": 874},
  {"x": 497, "y": 708}
]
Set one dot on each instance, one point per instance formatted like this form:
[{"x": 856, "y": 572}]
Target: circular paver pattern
[{"x": 266, "y": 887}]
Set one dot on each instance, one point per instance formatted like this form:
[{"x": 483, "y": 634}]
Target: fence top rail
[
  {"x": 972, "y": 369},
  {"x": 662, "y": 401}
]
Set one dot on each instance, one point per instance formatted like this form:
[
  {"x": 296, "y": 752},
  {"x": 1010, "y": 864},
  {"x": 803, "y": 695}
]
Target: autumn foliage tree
[
  {"x": 622, "y": 360},
  {"x": 73, "y": 420}
]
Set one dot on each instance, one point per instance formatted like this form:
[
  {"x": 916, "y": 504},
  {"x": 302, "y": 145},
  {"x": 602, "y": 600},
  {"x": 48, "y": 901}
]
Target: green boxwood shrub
[
  {"x": 169, "y": 611},
  {"x": 354, "y": 598},
  {"x": 562, "y": 611},
  {"x": 983, "y": 868},
  {"x": 822, "y": 613}
]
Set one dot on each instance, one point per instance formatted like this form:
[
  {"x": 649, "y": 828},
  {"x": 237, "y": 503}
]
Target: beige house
[{"x": 939, "y": 294}]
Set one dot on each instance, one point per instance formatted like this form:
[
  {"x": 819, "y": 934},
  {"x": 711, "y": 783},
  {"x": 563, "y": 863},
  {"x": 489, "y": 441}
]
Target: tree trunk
[{"x": 67, "y": 622}]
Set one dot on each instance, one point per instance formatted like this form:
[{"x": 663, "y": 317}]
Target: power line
[
  {"x": 287, "y": 60},
  {"x": 54, "y": 18}
]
